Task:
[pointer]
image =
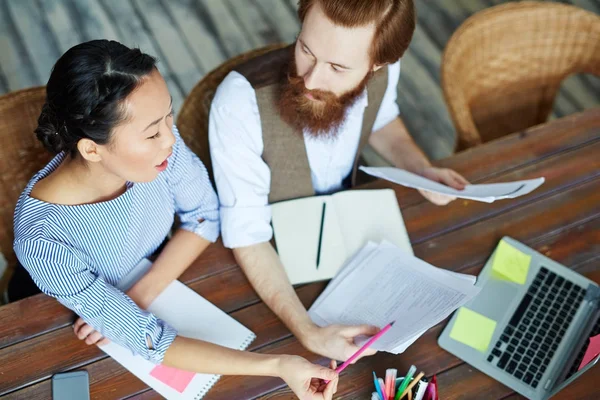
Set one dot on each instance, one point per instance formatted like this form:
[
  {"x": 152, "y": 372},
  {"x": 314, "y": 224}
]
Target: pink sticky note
[
  {"x": 175, "y": 378},
  {"x": 592, "y": 351}
]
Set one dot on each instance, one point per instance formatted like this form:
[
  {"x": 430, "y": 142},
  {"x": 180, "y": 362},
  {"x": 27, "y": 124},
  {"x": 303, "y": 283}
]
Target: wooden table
[{"x": 560, "y": 219}]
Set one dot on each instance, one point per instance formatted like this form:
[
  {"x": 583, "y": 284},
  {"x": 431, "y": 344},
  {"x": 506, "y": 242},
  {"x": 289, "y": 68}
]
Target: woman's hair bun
[{"x": 49, "y": 131}]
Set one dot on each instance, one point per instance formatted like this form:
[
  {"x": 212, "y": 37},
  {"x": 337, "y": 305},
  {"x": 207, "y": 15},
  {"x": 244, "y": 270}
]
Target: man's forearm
[
  {"x": 394, "y": 143},
  {"x": 263, "y": 268},
  {"x": 179, "y": 253}
]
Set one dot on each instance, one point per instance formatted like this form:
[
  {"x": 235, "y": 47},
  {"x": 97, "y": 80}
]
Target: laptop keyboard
[{"x": 537, "y": 327}]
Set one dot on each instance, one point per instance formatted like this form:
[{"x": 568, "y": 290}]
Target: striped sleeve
[
  {"x": 195, "y": 199},
  {"x": 59, "y": 273}
]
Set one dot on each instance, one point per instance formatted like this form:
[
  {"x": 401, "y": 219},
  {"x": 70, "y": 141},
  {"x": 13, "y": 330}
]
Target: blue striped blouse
[{"x": 78, "y": 254}]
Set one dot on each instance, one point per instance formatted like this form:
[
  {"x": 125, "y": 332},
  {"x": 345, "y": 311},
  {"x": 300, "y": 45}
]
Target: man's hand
[
  {"x": 447, "y": 177},
  {"x": 337, "y": 341},
  {"x": 85, "y": 332}
]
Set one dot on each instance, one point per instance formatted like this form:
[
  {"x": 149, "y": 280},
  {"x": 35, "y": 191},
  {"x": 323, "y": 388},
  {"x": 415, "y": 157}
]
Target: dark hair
[{"x": 85, "y": 92}]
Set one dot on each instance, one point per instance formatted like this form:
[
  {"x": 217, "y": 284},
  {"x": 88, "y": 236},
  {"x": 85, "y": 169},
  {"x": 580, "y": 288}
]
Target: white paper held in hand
[
  {"x": 383, "y": 283},
  {"x": 482, "y": 192}
]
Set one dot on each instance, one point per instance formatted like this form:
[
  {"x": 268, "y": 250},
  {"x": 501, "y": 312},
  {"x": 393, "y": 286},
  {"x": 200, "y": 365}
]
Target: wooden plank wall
[{"x": 191, "y": 37}]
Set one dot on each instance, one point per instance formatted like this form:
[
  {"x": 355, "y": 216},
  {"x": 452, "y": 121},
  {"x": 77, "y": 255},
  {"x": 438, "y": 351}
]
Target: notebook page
[
  {"x": 194, "y": 317},
  {"x": 371, "y": 215},
  {"x": 296, "y": 227}
]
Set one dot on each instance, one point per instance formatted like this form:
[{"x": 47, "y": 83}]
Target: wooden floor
[{"x": 191, "y": 37}]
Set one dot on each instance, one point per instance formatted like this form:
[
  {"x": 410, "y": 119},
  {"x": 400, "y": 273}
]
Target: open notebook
[
  {"x": 351, "y": 219},
  {"x": 193, "y": 317}
]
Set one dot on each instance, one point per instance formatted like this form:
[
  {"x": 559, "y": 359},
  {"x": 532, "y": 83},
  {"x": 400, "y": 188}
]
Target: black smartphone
[{"x": 71, "y": 386}]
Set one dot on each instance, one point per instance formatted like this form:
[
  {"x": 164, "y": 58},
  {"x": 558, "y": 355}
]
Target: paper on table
[
  {"x": 391, "y": 285},
  {"x": 511, "y": 263},
  {"x": 483, "y": 192},
  {"x": 592, "y": 351},
  {"x": 472, "y": 279},
  {"x": 361, "y": 257},
  {"x": 473, "y": 329}
]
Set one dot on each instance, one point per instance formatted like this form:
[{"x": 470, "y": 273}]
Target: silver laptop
[{"x": 543, "y": 327}]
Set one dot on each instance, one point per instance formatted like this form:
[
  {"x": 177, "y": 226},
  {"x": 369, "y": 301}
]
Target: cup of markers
[{"x": 397, "y": 388}]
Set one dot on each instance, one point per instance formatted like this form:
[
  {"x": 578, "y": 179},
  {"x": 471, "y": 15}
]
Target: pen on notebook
[{"x": 321, "y": 235}]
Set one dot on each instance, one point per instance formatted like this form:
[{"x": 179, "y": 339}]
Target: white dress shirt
[{"x": 243, "y": 178}]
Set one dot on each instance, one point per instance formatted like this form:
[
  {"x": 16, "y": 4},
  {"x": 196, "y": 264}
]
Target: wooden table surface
[{"x": 561, "y": 219}]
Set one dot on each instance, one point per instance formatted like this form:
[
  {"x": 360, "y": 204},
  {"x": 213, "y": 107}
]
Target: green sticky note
[
  {"x": 511, "y": 263},
  {"x": 473, "y": 329}
]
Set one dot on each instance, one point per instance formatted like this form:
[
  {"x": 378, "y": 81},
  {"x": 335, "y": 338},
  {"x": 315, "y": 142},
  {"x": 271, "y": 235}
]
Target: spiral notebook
[{"x": 193, "y": 317}]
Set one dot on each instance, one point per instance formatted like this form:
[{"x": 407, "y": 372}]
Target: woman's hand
[
  {"x": 85, "y": 332},
  {"x": 307, "y": 380}
]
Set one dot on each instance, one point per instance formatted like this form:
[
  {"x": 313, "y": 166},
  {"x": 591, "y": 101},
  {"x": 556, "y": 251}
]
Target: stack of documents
[
  {"x": 485, "y": 192},
  {"x": 383, "y": 284}
]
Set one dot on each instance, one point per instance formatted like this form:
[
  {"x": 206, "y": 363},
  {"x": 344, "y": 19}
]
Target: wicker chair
[
  {"x": 21, "y": 156},
  {"x": 502, "y": 68},
  {"x": 192, "y": 120}
]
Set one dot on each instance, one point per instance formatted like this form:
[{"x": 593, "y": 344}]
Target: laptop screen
[{"x": 576, "y": 375}]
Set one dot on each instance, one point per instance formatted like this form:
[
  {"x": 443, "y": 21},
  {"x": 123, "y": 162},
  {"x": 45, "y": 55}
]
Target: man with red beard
[{"x": 293, "y": 122}]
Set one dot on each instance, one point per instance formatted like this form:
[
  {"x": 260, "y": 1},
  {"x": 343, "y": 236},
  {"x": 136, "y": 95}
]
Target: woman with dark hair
[{"x": 108, "y": 200}]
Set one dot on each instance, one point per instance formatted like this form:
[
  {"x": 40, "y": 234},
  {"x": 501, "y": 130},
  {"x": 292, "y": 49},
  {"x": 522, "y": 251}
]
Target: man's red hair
[{"x": 394, "y": 21}]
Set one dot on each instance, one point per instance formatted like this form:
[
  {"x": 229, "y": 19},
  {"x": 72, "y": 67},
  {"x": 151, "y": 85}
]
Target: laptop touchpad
[{"x": 496, "y": 298}]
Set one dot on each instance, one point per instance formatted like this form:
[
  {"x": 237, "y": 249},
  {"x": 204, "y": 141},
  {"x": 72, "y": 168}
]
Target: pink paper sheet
[
  {"x": 175, "y": 378},
  {"x": 592, "y": 351}
]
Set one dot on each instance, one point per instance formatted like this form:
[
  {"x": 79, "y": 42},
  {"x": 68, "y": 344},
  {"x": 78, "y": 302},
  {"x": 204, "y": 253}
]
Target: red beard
[{"x": 321, "y": 117}]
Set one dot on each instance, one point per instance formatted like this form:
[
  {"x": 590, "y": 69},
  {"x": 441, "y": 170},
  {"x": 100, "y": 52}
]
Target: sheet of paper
[
  {"x": 296, "y": 226},
  {"x": 371, "y": 215},
  {"x": 362, "y": 257},
  {"x": 470, "y": 278},
  {"x": 473, "y": 329},
  {"x": 391, "y": 285},
  {"x": 176, "y": 378},
  {"x": 483, "y": 192},
  {"x": 592, "y": 351},
  {"x": 348, "y": 268},
  {"x": 511, "y": 263}
]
